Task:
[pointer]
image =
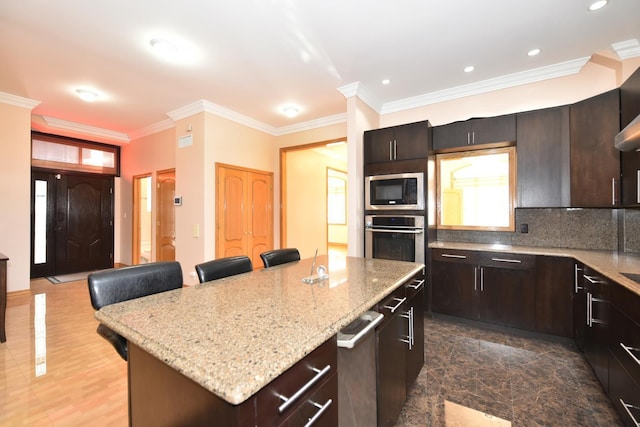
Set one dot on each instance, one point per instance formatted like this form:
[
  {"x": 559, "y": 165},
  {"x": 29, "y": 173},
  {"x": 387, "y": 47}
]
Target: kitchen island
[{"x": 229, "y": 338}]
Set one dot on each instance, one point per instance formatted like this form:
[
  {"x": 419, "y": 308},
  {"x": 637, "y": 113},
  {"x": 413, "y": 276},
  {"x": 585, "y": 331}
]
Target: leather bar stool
[
  {"x": 279, "y": 256},
  {"x": 223, "y": 267}
]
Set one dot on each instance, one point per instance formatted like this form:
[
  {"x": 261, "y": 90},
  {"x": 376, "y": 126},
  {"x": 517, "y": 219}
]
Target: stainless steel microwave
[{"x": 404, "y": 191}]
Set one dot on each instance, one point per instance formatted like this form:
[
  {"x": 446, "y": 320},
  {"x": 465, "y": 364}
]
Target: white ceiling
[{"x": 254, "y": 56}]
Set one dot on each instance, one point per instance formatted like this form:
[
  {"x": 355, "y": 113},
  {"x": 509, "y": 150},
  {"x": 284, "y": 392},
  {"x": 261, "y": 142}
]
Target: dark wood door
[
  {"x": 391, "y": 370},
  {"x": 378, "y": 145},
  {"x": 453, "y": 289},
  {"x": 493, "y": 129},
  {"x": 595, "y": 163},
  {"x": 507, "y": 297},
  {"x": 579, "y": 306},
  {"x": 83, "y": 223},
  {"x": 597, "y": 335},
  {"x": 452, "y": 135},
  {"x": 554, "y": 296},
  {"x": 411, "y": 141},
  {"x": 630, "y": 160},
  {"x": 415, "y": 355},
  {"x": 543, "y": 158}
]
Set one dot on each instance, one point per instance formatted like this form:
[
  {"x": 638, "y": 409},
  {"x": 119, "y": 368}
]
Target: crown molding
[
  {"x": 511, "y": 80},
  {"x": 86, "y": 129},
  {"x": 311, "y": 124},
  {"x": 18, "y": 101},
  {"x": 356, "y": 89},
  {"x": 151, "y": 129},
  {"x": 627, "y": 49},
  {"x": 204, "y": 106}
]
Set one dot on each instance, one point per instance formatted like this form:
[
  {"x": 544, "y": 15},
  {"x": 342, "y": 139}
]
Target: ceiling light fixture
[
  {"x": 386, "y": 81},
  {"x": 596, "y": 5},
  {"x": 469, "y": 69},
  {"x": 291, "y": 111},
  {"x": 164, "y": 48},
  {"x": 533, "y": 52},
  {"x": 87, "y": 95}
]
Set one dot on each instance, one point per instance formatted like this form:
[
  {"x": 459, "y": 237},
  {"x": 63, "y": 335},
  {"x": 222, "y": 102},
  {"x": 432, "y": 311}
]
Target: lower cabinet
[
  {"x": 492, "y": 287},
  {"x": 597, "y": 322},
  {"x": 400, "y": 347},
  {"x": 392, "y": 337}
]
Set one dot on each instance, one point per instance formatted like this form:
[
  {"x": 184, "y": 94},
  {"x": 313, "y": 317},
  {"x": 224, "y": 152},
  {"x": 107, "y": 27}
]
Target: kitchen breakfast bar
[{"x": 253, "y": 349}]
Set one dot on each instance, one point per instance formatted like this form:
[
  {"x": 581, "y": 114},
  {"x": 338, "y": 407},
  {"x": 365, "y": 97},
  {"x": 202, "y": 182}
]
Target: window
[
  {"x": 55, "y": 152},
  {"x": 476, "y": 190}
]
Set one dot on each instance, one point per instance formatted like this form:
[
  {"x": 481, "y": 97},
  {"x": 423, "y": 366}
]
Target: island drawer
[{"x": 292, "y": 390}]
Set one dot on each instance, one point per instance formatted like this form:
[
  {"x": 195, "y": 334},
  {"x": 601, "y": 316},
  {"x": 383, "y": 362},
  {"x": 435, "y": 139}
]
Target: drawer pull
[
  {"x": 513, "y": 261},
  {"x": 593, "y": 280},
  {"x": 575, "y": 279},
  {"x": 628, "y": 350},
  {"x": 627, "y": 408},
  {"x": 416, "y": 284},
  {"x": 288, "y": 401},
  {"x": 322, "y": 409},
  {"x": 400, "y": 301},
  {"x": 453, "y": 256}
]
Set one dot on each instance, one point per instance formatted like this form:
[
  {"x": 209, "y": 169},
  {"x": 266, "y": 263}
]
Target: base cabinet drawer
[
  {"x": 320, "y": 409},
  {"x": 624, "y": 393}
]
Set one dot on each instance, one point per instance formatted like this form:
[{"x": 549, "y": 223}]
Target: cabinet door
[
  {"x": 415, "y": 354},
  {"x": 493, "y": 129},
  {"x": 507, "y": 297},
  {"x": 554, "y": 296},
  {"x": 543, "y": 158},
  {"x": 453, "y": 289},
  {"x": 595, "y": 163},
  {"x": 580, "y": 320},
  {"x": 452, "y": 135},
  {"x": 391, "y": 370},
  {"x": 596, "y": 339},
  {"x": 630, "y": 160},
  {"x": 378, "y": 145},
  {"x": 411, "y": 141}
]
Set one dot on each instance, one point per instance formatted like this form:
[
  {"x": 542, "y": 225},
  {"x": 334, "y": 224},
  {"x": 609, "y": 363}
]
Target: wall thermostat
[{"x": 177, "y": 201}]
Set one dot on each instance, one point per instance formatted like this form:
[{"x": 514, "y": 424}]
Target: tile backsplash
[{"x": 596, "y": 229}]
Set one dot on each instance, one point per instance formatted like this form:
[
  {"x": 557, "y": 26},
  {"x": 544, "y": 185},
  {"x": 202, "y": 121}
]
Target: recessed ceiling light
[
  {"x": 386, "y": 81},
  {"x": 598, "y": 5},
  {"x": 291, "y": 111},
  {"x": 87, "y": 94},
  {"x": 469, "y": 69},
  {"x": 533, "y": 52}
]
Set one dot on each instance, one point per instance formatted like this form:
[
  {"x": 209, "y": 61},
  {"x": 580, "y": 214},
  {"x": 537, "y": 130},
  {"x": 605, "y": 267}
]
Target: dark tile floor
[{"x": 527, "y": 381}]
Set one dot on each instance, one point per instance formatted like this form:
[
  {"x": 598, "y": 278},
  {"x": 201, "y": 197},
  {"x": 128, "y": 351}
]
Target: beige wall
[
  {"x": 146, "y": 155},
  {"x": 307, "y": 200},
  {"x": 15, "y": 188}
]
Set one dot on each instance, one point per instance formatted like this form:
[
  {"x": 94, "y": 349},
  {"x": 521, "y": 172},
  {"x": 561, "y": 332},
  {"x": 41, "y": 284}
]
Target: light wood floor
[{"x": 54, "y": 368}]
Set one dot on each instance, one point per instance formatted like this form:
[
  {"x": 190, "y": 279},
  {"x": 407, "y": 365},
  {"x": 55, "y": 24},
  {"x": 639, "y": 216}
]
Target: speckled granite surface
[
  {"x": 608, "y": 263},
  {"x": 234, "y": 335}
]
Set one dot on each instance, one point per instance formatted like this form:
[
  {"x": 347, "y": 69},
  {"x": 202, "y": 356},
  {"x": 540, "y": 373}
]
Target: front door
[{"x": 72, "y": 223}]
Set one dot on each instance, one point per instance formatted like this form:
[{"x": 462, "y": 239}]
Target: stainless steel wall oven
[{"x": 397, "y": 237}]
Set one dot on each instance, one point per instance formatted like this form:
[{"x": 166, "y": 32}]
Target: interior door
[
  {"x": 244, "y": 212},
  {"x": 166, "y": 229}
]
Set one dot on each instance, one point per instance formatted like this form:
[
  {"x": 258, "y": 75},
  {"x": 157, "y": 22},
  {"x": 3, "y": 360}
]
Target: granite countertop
[
  {"x": 235, "y": 335},
  {"x": 608, "y": 263}
]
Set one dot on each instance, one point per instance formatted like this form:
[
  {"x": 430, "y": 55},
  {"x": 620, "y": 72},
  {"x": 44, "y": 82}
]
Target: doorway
[
  {"x": 71, "y": 223},
  {"x": 142, "y": 219},
  {"x": 305, "y": 197}
]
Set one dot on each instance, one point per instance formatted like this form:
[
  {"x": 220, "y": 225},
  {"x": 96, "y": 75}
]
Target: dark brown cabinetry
[
  {"x": 543, "y": 158},
  {"x": 391, "y": 337},
  {"x": 474, "y": 132},
  {"x": 579, "y": 305},
  {"x": 491, "y": 287},
  {"x": 554, "y": 296},
  {"x": 630, "y": 160},
  {"x": 595, "y": 163},
  {"x": 404, "y": 142},
  {"x": 415, "y": 291}
]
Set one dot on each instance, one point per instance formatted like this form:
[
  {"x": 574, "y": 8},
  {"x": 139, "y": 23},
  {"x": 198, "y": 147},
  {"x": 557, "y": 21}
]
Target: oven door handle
[{"x": 386, "y": 230}]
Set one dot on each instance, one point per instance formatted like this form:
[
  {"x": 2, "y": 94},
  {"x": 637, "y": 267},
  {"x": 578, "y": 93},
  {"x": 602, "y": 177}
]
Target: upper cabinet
[
  {"x": 465, "y": 135},
  {"x": 404, "y": 142},
  {"x": 543, "y": 158},
  {"x": 595, "y": 163},
  {"x": 630, "y": 160}
]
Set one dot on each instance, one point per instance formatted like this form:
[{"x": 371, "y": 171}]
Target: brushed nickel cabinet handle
[
  {"x": 288, "y": 401},
  {"x": 627, "y": 408},
  {"x": 513, "y": 261},
  {"x": 453, "y": 256},
  {"x": 399, "y": 301},
  {"x": 415, "y": 284},
  {"x": 575, "y": 278},
  {"x": 322, "y": 409},
  {"x": 628, "y": 350}
]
